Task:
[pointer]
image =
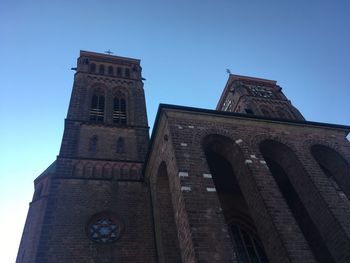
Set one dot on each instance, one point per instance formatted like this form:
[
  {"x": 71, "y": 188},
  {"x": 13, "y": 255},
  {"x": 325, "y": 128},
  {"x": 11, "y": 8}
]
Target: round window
[{"x": 104, "y": 228}]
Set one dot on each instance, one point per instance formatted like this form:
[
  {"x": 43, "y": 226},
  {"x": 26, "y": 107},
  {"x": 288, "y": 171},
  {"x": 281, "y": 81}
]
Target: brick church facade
[{"x": 251, "y": 181}]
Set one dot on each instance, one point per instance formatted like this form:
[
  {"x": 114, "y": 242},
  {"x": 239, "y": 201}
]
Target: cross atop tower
[{"x": 109, "y": 52}]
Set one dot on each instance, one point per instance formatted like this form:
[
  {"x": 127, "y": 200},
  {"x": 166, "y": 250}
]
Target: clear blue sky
[{"x": 185, "y": 48}]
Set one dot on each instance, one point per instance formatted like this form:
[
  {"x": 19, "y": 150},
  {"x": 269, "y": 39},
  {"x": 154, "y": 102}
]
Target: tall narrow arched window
[
  {"x": 97, "y": 107},
  {"x": 110, "y": 70},
  {"x": 119, "y": 110},
  {"x": 127, "y": 73},
  {"x": 92, "y": 67},
  {"x": 93, "y": 144},
  {"x": 120, "y": 145},
  {"x": 119, "y": 71},
  {"x": 101, "y": 69}
]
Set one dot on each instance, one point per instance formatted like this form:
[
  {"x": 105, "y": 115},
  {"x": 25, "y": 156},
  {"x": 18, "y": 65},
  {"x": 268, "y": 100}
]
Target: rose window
[{"x": 104, "y": 229}]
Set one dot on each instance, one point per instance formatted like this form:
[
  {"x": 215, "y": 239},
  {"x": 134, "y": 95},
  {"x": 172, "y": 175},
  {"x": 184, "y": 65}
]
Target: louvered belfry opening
[
  {"x": 97, "y": 107},
  {"x": 119, "y": 110}
]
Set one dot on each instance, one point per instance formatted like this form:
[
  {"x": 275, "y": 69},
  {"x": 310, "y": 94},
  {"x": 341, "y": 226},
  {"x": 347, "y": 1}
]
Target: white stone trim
[
  {"x": 239, "y": 141},
  {"x": 207, "y": 176},
  {"x": 185, "y": 189},
  {"x": 183, "y": 174},
  {"x": 183, "y": 144},
  {"x": 248, "y": 161},
  {"x": 211, "y": 189}
]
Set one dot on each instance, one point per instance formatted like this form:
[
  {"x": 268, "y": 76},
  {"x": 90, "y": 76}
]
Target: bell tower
[
  {"x": 91, "y": 204},
  {"x": 255, "y": 96},
  {"x": 107, "y": 111}
]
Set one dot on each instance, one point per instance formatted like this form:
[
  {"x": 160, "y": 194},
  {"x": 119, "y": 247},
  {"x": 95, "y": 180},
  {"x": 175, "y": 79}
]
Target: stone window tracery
[{"x": 104, "y": 228}]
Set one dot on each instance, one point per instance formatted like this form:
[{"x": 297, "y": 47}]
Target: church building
[{"x": 249, "y": 182}]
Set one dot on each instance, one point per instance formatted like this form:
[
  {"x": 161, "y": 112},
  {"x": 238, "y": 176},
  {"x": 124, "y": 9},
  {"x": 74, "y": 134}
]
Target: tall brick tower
[{"x": 94, "y": 190}]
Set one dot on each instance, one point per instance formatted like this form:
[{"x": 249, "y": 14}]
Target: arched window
[
  {"x": 119, "y": 71},
  {"x": 93, "y": 144},
  {"x": 247, "y": 246},
  {"x": 110, "y": 70},
  {"x": 97, "y": 107},
  {"x": 101, "y": 69},
  {"x": 92, "y": 67},
  {"x": 335, "y": 167},
  {"x": 119, "y": 110},
  {"x": 127, "y": 73},
  {"x": 120, "y": 145}
]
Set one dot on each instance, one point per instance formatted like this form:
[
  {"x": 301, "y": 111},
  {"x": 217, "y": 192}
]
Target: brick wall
[
  {"x": 71, "y": 204},
  {"x": 194, "y": 196}
]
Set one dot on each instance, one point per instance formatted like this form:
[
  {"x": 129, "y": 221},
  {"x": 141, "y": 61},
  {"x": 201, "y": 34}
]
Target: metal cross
[{"x": 109, "y": 52}]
